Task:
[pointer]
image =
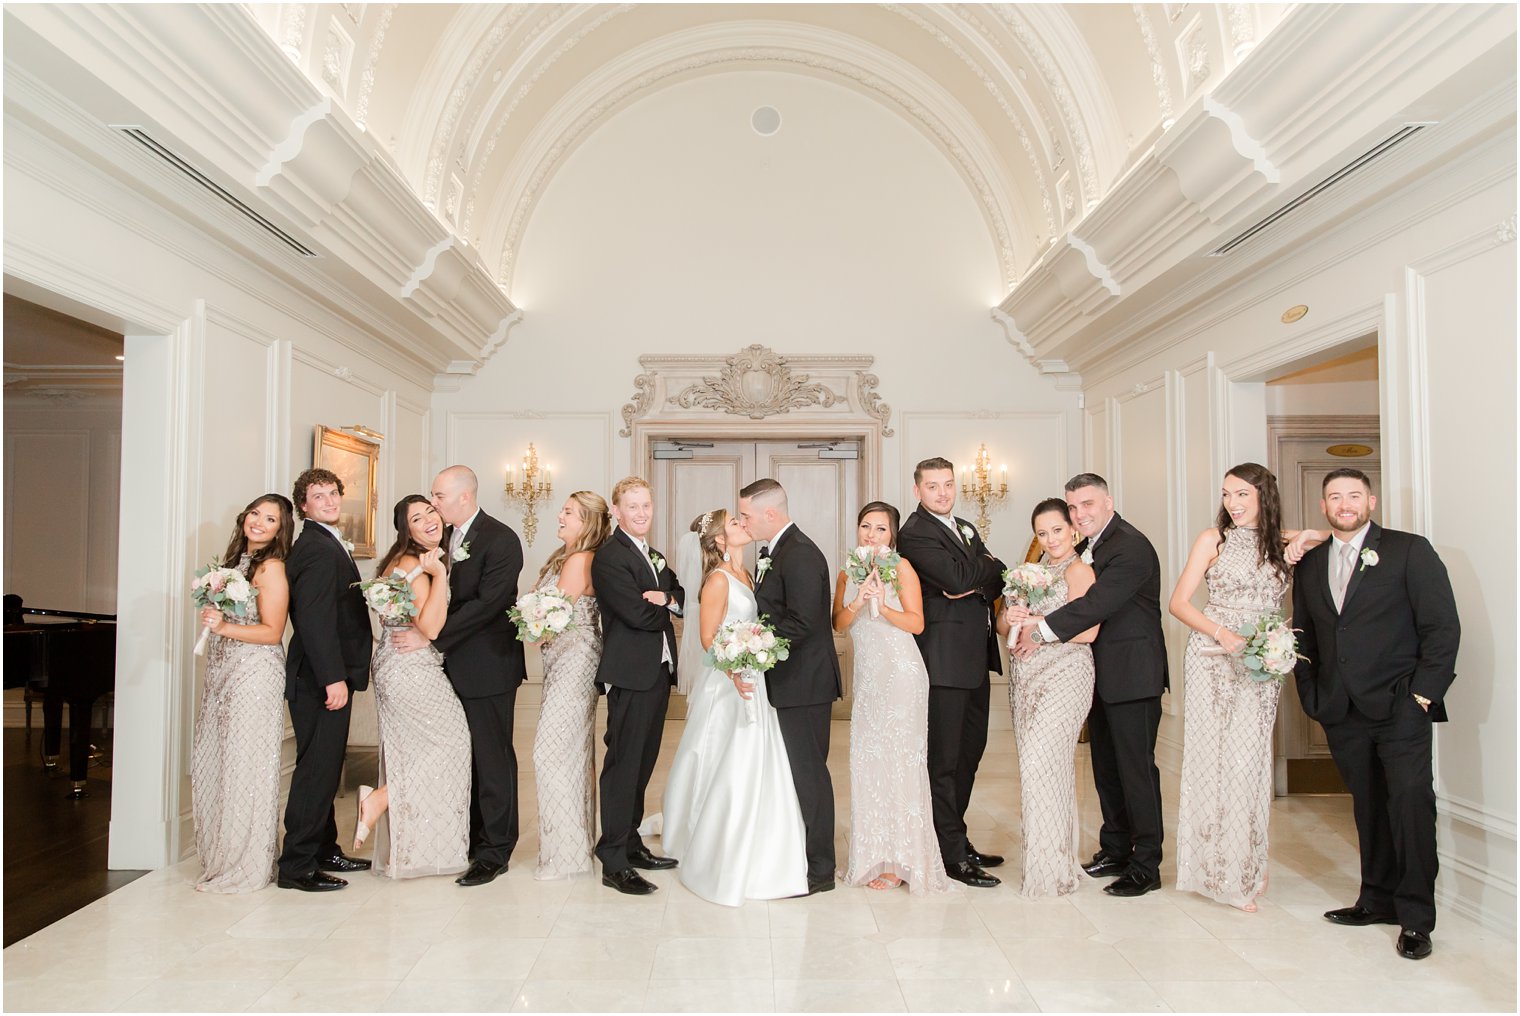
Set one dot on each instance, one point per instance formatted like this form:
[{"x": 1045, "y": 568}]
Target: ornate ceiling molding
[
  {"x": 872, "y": 70},
  {"x": 371, "y": 61},
  {"x": 756, "y": 383}
]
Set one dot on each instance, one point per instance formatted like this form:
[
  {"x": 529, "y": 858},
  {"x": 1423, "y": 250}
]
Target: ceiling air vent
[
  {"x": 143, "y": 138},
  {"x": 1377, "y": 151}
]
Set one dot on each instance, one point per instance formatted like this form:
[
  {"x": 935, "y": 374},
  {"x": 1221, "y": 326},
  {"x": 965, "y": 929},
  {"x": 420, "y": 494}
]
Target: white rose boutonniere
[
  {"x": 1087, "y": 556},
  {"x": 461, "y": 553},
  {"x": 349, "y": 546},
  {"x": 968, "y": 533},
  {"x": 656, "y": 560},
  {"x": 1369, "y": 559},
  {"x": 763, "y": 567}
]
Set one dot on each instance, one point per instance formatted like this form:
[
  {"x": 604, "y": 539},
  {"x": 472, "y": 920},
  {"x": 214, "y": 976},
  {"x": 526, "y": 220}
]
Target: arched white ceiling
[{"x": 1041, "y": 108}]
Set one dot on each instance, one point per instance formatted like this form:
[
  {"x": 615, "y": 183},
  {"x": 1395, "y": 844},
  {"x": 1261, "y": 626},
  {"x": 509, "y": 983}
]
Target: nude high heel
[{"x": 361, "y": 831}]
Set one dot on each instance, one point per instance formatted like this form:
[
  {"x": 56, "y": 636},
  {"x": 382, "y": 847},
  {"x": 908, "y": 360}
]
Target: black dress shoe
[
  {"x": 1358, "y": 917},
  {"x": 480, "y": 872},
  {"x": 1132, "y": 884},
  {"x": 337, "y": 862},
  {"x": 1413, "y": 945},
  {"x": 640, "y": 857},
  {"x": 629, "y": 881},
  {"x": 970, "y": 874},
  {"x": 825, "y": 886},
  {"x": 1105, "y": 865},
  {"x": 982, "y": 860},
  {"x": 316, "y": 882}
]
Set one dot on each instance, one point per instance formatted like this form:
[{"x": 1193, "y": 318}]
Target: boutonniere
[
  {"x": 1087, "y": 555},
  {"x": 461, "y": 553},
  {"x": 1369, "y": 559},
  {"x": 656, "y": 560},
  {"x": 348, "y": 546},
  {"x": 968, "y": 533},
  {"x": 763, "y": 567}
]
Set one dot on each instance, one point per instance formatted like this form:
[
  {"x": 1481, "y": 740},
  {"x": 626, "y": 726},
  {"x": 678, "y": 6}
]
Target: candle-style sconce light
[
  {"x": 529, "y": 489},
  {"x": 977, "y": 487}
]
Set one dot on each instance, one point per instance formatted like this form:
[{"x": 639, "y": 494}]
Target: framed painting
[{"x": 356, "y": 462}]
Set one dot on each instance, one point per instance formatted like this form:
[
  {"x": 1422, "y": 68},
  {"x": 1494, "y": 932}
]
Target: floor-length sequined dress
[
  {"x": 424, "y": 762},
  {"x": 1050, "y": 694},
  {"x": 1226, "y": 798},
  {"x": 235, "y": 761},
  {"x": 891, "y": 817},
  {"x": 564, "y": 745}
]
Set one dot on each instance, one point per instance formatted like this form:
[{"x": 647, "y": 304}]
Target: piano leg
[
  {"x": 52, "y": 727},
  {"x": 81, "y": 705}
]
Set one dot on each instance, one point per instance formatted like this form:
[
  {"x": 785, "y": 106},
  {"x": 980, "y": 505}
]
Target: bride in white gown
[{"x": 730, "y": 811}]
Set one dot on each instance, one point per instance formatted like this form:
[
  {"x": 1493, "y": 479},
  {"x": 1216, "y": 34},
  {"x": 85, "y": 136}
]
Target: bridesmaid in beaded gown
[
  {"x": 1050, "y": 694},
  {"x": 565, "y": 743},
  {"x": 1228, "y": 717},
  {"x": 892, "y": 838},
  {"x": 235, "y": 760},
  {"x": 424, "y": 741}
]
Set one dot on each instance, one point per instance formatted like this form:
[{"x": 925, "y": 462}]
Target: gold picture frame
[{"x": 357, "y": 463}]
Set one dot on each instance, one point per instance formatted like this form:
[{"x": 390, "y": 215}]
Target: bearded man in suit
[
  {"x": 961, "y": 583},
  {"x": 1379, "y": 628}
]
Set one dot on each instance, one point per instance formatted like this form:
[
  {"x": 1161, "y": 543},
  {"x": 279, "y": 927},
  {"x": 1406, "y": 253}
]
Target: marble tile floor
[{"x": 572, "y": 945}]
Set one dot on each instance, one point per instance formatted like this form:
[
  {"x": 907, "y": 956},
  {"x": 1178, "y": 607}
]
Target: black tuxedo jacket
[
  {"x": 333, "y": 638},
  {"x": 479, "y": 644},
  {"x": 1129, "y": 654},
  {"x": 633, "y": 629},
  {"x": 959, "y": 642},
  {"x": 1395, "y": 636},
  {"x": 795, "y": 598}
]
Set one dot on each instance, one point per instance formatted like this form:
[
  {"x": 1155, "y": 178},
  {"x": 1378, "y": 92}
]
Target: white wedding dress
[{"x": 730, "y": 812}]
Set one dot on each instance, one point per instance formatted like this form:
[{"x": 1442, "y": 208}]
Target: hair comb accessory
[{"x": 702, "y": 526}]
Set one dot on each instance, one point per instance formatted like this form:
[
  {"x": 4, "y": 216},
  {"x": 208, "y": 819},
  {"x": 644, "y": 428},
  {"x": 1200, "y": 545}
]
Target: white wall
[
  {"x": 1336, "y": 398},
  {"x": 1432, "y": 270},
  {"x": 675, "y": 228},
  {"x": 228, "y": 369}
]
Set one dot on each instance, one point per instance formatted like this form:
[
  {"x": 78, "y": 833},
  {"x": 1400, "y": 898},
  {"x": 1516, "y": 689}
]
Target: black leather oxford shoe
[
  {"x": 1132, "y": 884},
  {"x": 316, "y": 882},
  {"x": 1358, "y": 917},
  {"x": 982, "y": 860},
  {"x": 342, "y": 864},
  {"x": 629, "y": 881},
  {"x": 1413, "y": 945},
  {"x": 480, "y": 872},
  {"x": 969, "y": 874},
  {"x": 640, "y": 857},
  {"x": 1105, "y": 866}
]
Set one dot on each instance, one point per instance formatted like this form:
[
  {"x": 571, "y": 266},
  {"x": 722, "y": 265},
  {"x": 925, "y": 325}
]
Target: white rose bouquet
[
  {"x": 390, "y": 597},
  {"x": 1030, "y": 582},
  {"x": 1271, "y": 648},
  {"x": 542, "y": 615},
  {"x": 748, "y": 647},
  {"x": 882, "y": 560},
  {"x": 226, "y": 589}
]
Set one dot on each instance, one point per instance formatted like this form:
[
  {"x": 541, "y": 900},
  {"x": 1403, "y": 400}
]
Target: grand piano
[{"x": 71, "y": 655}]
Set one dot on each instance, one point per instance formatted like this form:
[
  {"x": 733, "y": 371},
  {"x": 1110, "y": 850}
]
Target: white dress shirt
[
  {"x": 665, "y": 656},
  {"x": 1337, "y": 548},
  {"x": 337, "y": 535},
  {"x": 456, "y": 540}
]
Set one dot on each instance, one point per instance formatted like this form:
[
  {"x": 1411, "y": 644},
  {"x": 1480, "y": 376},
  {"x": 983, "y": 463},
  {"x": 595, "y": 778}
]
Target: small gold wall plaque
[
  {"x": 1349, "y": 451},
  {"x": 1293, "y": 314}
]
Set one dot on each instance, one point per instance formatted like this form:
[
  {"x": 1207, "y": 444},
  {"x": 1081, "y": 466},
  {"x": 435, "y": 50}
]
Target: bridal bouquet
[
  {"x": 227, "y": 590},
  {"x": 883, "y": 560},
  {"x": 1271, "y": 648},
  {"x": 543, "y": 614},
  {"x": 390, "y": 598},
  {"x": 1030, "y": 582},
  {"x": 750, "y": 647}
]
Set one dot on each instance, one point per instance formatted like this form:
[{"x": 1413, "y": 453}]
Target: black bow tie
[{"x": 765, "y": 552}]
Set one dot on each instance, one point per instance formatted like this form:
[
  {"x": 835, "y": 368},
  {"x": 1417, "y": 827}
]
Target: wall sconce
[
  {"x": 976, "y": 487},
  {"x": 528, "y": 490}
]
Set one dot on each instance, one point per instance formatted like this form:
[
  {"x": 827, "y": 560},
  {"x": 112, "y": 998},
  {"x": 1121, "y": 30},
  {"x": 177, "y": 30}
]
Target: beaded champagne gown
[
  {"x": 1227, "y": 726},
  {"x": 1050, "y": 694},
  {"x": 424, "y": 762},
  {"x": 891, "y": 817},
  {"x": 565, "y": 744},
  {"x": 235, "y": 761}
]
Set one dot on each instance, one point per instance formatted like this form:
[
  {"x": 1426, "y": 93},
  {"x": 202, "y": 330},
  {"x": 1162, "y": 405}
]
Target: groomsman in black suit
[
  {"x": 793, "y": 594},
  {"x": 1129, "y": 657},
  {"x": 483, "y": 660},
  {"x": 639, "y": 596},
  {"x": 328, "y": 661},
  {"x": 961, "y": 583},
  {"x": 1379, "y": 627}
]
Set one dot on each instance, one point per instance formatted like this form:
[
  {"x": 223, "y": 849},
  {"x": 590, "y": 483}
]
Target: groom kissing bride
[{"x": 749, "y": 807}]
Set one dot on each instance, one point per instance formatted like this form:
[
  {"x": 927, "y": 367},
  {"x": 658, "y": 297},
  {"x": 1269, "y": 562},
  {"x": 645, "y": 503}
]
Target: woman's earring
[{"x": 726, "y": 557}]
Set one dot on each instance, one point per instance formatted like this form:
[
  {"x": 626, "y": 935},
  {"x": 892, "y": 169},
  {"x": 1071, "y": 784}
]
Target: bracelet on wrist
[{"x": 1217, "y": 630}]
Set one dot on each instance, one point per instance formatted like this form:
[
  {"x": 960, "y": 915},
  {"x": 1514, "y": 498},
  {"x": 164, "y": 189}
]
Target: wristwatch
[{"x": 1037, "y": 635}]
